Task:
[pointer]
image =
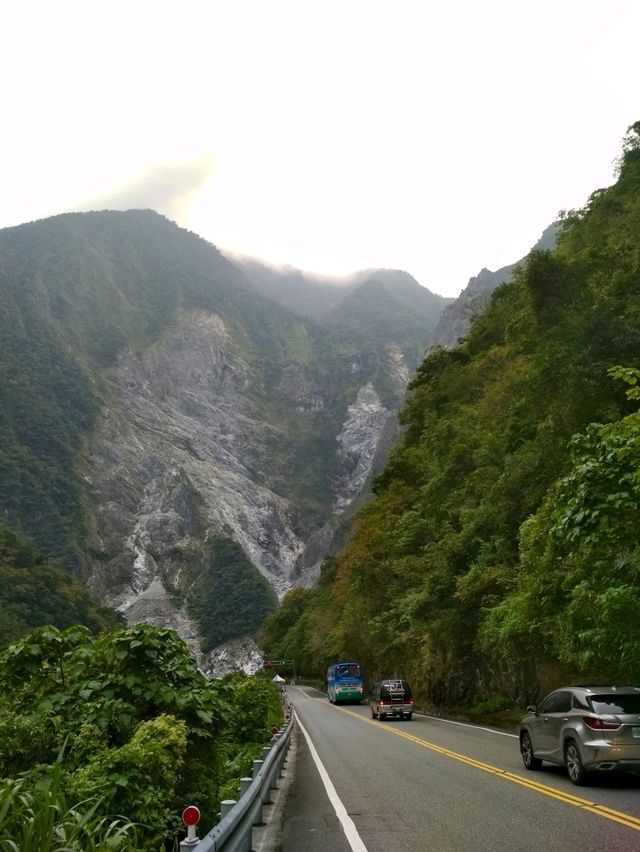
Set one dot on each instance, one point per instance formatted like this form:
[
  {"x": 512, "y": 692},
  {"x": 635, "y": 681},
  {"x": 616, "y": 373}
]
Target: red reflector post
[{"x": 191, "y": 815}]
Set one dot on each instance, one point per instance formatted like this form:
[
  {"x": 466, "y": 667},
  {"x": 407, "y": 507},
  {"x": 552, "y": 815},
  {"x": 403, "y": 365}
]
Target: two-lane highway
[{"x": 440, "y": 786}]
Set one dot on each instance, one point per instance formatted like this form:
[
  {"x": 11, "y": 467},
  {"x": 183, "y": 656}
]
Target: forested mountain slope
[
  {"x": 35, "y": 592},
  {"x": 181, "y": 443},
  {"x": 500, "y": 555}
]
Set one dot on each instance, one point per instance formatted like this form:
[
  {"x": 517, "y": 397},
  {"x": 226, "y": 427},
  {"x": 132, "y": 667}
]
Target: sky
[{"x": 437, "y": 138}]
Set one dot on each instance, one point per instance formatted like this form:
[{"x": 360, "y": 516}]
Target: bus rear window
[{"x": 352, "y": 669}]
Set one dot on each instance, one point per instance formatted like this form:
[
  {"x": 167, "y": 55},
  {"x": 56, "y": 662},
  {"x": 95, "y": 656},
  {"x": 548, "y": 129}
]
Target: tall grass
[{"x": 35, "y": 817}]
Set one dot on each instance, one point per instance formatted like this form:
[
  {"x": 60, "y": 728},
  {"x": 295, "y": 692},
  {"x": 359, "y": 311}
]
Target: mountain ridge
[{"x": 457, "y": 317}]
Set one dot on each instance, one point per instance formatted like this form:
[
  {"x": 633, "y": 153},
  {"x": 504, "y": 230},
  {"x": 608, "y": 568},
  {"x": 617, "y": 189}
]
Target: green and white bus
[{"x": 345, "y": 683}]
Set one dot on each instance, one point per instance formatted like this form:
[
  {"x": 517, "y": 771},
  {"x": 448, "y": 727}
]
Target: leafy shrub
[
  {"x": 257, "y": 709},
  {"x": 141, "y": 778},
  {"x": 144, "y": 726},
  {"x": 141, "y": 731},
  {"x": 491, "y": 705}
]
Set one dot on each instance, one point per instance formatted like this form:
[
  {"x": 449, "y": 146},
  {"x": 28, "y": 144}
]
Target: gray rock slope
[{"x": 176, "y": 457}]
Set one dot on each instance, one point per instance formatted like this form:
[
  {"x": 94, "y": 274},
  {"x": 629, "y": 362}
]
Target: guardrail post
[
  {"x": 244, "y": 841},
  {"x": 257, "y": 766},
  {"x": 226, "y": 806},
  {"x": 245, "y": 783},
  {"x": 280, "y": 764},
  {"x": 266, "y": 794}
]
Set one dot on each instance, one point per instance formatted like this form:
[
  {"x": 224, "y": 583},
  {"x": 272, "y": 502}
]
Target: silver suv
[{"x": 584, "y": 728}]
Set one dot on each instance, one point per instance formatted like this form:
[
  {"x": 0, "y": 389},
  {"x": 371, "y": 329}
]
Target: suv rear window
[
  {"x": 616, "y": 703},
  {"x": 390, "y": 687}
]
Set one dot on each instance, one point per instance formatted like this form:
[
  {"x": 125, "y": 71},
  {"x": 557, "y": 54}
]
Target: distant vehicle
[
  {"x": 584, "y": 728},
  {"x": 391, "y": 697},
  {"x": 345, "y": 683}
]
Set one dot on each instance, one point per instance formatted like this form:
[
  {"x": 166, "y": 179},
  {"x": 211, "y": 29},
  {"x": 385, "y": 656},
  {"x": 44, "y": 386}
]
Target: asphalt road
[{"x": 435, "y": 786}]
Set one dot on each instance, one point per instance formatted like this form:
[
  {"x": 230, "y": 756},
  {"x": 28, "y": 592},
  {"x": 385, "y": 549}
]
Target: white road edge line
[{"x": 348, "y": 825}]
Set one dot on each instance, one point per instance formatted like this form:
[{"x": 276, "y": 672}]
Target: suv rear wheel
[{"x": 576, "y": 771}]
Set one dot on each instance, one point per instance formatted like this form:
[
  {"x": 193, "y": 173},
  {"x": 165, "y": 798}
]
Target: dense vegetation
[
  {"x": 106, "y": 740},
  {"x": 230, "y": 599},
  {"x": 500, "y": 555},
  {"x": 34, "y": 592}
]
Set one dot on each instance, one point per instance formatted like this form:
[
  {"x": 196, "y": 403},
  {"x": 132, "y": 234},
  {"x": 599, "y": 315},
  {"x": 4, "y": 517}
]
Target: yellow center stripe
[{"x": 567, "y": 798}]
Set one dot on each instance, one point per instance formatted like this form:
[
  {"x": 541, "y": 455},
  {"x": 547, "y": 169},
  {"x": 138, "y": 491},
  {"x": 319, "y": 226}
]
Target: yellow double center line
[{"x": 601, "y": 810}]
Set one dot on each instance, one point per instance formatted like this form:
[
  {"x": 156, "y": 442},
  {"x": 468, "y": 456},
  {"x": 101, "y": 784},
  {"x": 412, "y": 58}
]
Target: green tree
[{"x": 578, "y": 589}]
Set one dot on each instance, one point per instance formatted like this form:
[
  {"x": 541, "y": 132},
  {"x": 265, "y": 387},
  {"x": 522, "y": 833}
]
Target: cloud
[{"x": 167, "y": 187}]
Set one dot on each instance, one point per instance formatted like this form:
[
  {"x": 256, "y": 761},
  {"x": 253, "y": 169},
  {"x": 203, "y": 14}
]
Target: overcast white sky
[{"x": 426, "y": 136}]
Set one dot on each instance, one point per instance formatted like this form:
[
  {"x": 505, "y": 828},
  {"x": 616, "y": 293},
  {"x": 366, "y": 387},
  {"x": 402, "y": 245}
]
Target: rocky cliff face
[
  {"x": 456, "y": 318},
  {"x": 358, "y": 441},
  {"x": 178, "y": 455}
]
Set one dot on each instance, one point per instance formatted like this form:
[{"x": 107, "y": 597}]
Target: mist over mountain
[{"x": 319, "y": 296}]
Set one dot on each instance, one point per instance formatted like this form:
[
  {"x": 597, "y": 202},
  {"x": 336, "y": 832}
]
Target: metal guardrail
[{"x": 233, "y": 832}]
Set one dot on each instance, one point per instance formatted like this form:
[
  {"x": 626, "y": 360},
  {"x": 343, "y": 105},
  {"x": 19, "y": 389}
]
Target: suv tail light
[{"x": 597, "y": 724}]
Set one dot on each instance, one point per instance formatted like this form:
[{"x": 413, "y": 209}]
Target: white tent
[{"x": 277, "y": 679}]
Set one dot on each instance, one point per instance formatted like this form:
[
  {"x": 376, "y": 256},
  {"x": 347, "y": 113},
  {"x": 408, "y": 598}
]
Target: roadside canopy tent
[{"x": 277, "y": 679}]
